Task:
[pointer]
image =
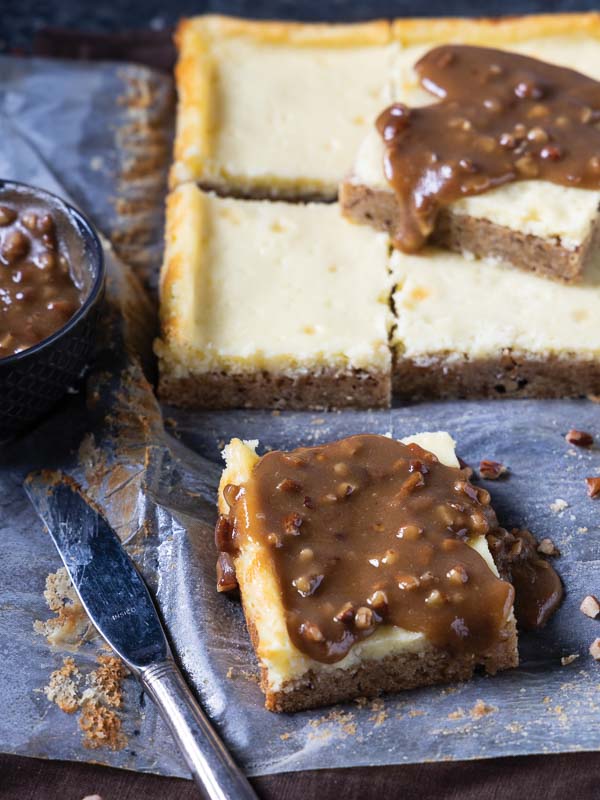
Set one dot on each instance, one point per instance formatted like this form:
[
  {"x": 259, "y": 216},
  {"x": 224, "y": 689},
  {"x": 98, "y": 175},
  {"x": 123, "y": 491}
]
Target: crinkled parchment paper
[{"x": 59, "y": 125}]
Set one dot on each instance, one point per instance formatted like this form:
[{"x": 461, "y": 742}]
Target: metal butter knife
[{"x": 119, "y": 605}]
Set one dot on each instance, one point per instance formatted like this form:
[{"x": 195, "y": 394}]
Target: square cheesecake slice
[
  {"x": 536, "y": 225},
  {"x": 276, "y": 109},
  {"x": 467, "y": 328},
  {"x": 271, "y": 305},
  {"x": 363, "y": 567}
]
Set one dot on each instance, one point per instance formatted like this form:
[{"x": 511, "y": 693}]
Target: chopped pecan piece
[
  {"x": 579, "y": 438},
  {"x": 363, "y": 618},
  {"x": 312, "y": 632},
  {"x": 593, "y": 486},
  {"x": 223, "y": 531},
  {"x": 491, "y": 470},
  {"x": 288, "y": 485},
  {"x": 548, "y": 548},
  {"x": 595, "y": 649},
  {"x": 345, "y": 614},
  {"x": 590, "y": 606},
  {"x": 226, "y": 580}
]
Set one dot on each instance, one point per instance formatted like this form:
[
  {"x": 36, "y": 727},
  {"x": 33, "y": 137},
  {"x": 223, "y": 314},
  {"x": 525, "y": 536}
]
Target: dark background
[
  {"x": 24, "y": 28},
  {"x": 20, "y": 20}
]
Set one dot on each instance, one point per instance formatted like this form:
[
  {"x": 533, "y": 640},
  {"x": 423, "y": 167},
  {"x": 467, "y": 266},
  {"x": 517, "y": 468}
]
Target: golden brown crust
[
  {"x": 185, "y": 216},
  {"x": 393, "y": 673},
  {"x": 494, "y": 31},
  {"x": 319, "y": 389},
  {"x": 298, "y": 34},
  {"x": 507, "y": 375},
  {"x": 196, "y": 40}
]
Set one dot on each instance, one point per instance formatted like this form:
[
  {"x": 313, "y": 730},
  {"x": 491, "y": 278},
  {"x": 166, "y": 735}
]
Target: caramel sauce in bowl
[{"x": 51, "y": 289}]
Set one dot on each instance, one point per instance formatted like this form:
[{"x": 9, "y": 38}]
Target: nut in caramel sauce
[
  {"x": 367, "y": 531},
  {"x": 501, "y": 117},
  {"x": 38, "y": 289}
]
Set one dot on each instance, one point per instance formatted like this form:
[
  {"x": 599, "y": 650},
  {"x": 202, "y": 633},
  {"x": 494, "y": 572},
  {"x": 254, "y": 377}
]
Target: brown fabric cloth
[{"x": 549, "y": 777}]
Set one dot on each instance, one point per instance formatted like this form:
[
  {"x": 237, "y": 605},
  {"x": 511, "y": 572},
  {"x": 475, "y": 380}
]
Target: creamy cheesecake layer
[
  {"x": 256, "y": 285},
  {"x": 262, "y": 598},
  {"x": 453, "y": 307},
  {"x": 538, "y": 208},
  {"x": 276, "y": 107}
]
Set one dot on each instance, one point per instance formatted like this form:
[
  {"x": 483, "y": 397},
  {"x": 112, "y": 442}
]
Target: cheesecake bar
[
  {"x": 276, "y": 109},
  {"x": 468, "y": 328},
  {"x": 363, "y": 567},
  {"x": 271, "y": 304},
  {"x": 546, "y": 227}
]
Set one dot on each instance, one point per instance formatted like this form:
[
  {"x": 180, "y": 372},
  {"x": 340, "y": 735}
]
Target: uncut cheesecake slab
[
  {"x": 271, "y": 305},
  {"x": 536, "y": 225},
  {"x": 276, "y": 109},
  {"x": 467, "y": 328},
  {"x": 363, "y": 567}
]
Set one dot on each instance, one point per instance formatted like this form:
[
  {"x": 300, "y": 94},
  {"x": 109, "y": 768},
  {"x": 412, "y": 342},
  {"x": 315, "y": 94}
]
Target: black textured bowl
[{"x": 31, "y": 382}]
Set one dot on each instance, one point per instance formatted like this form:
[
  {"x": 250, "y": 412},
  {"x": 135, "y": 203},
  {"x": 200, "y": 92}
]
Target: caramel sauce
[
  {"x": 538, "y": 589},
  {"x": 38, "y": 294},
  {"x": 368, "y": 531},
  {"x": 501, "y": 117}
]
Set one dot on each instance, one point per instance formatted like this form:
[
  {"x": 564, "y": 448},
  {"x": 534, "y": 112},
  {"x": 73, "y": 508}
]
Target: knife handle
[{"x": 211, "y": 765}]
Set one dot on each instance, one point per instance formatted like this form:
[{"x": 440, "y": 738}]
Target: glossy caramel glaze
[
  {"x": 501, "y": 117},
  {"x": 368, "y": 531}
]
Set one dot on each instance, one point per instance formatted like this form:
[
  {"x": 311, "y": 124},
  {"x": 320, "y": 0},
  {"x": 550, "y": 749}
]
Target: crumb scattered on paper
[
  {"x": 559, "y": 505},
  {"x": 63, "y": 687},
  {"x": 481, "y": 709},
  {"x": 566, "y": 660},
  {"x": 70, "y": 625},
  {"x": 96, "y": 696}
]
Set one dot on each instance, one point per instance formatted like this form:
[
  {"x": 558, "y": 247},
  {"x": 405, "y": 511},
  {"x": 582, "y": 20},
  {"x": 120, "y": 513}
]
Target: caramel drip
[
  {"x": 502, "y": 117},
  {"x": 365, "y": 532}
]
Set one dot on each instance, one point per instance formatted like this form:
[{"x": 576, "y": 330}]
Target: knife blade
[{"x": 118, "y": 603}]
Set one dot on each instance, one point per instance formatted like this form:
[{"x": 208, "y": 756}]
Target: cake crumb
[
  {"x": 230, "y": 673},
  {"x": 558, "y": 505},
  {"x": 590, "y": 606},
  {"x": 416, "y": 712},
  {"x": 379, "y": 715},
  {"x": 101, "y": 727},
  {"x": 548, "y": 548},
  {"x": 63, "y": 688},
  {"x": 481, "y": 709},
  {"x": 595, "y": 649},
  {"x": 285, "y": 736},
  {"x": 582, "y": 530},
  {"x": 458, "y": 714},
  {"x": 566, "y": 660}
]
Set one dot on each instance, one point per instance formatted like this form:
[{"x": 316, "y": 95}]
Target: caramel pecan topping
[
  {"x": 384, "y": 540},
  {"x": 501, "y": 117}
]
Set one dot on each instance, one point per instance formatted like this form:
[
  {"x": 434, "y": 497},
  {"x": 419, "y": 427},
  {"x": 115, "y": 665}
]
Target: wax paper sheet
[{"x": 158, "y": 490}]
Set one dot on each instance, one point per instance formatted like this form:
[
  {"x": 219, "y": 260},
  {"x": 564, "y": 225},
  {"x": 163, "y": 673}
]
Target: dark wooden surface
[
  {"x": 575, "y": 776},
  {"x": 550, "y": 777}
]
